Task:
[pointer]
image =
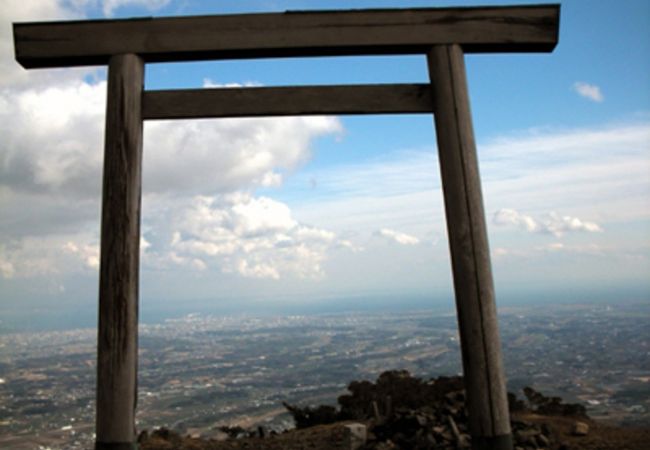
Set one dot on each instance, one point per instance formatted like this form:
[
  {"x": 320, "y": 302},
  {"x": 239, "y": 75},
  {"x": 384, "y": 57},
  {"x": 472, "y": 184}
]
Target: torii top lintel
[{"x": 528, "y": 28}]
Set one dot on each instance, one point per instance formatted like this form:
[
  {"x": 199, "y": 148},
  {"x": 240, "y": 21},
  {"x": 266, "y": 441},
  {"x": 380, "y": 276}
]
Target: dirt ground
[
  {"x": 600, "y": 436},
  {"x": 333, "y": 437},
  {"x": 322, "y": 437}
]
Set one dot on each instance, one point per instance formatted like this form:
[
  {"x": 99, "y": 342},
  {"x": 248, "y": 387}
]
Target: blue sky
[{"x": 299, "y": 210}]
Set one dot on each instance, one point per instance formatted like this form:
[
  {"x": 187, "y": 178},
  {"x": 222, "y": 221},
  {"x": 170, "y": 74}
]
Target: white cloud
[
  {"x": 6, "y": 267},
  {"x": 53, "y": 138},
  {"x": 596, "y": 178},
  {"x": 401, "y": 191},
  {"x": 52, "y": 153},
  {"x": 551, "y": 223},
  {"x": 67, "y": 120},
  {"x": 558, "y": 225},
  {"x": 228, "y": 154},
  {"x": 208, "y": 83},
  {"x": 554, "y": 246},
  {"x": 257, "y": 270},
  {"x": 588, "y": 91},
  {"x": 396, "y": 236},
  {"x": 602, "y": 173},
  {"x": 252, "y": 236},
  {"x": 12, "y": 74},
  {"x": 561, "y": 248},
  {"x": 51, "y": 123},
  {"x": 511, "y": 217},
  {"x": 109, "y": 6},
  {"x": 45, "y": 256},
  {"x": 89, "y": 254}
]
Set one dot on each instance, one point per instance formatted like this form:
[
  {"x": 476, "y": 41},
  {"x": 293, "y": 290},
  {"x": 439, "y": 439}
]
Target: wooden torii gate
[{"x": 444, "y": 35}]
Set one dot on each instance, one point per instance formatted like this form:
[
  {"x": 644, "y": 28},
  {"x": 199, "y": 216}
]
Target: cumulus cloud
[
  {"x": 51, "y": 155},
  {"x": 88, "y": 253},
  {"x": 558, "y": 225},
  {"x": 6, "y": 267},
  {"x": 53, "y": 138},
  {"x": 552, "y": 223},
  {"x": 14, "y": 77},
  {"x": 235, "y": 233},
  {"x": 53, "y": 141},
  {"x": 588, "y": 91},
  {"x": 511, "y": 217},
  {"x": 396, "y": 236},
  {"x": 253, "y": 236},
  {"x": 197, "y": 157},
  {"x": 54, "y": 255}
]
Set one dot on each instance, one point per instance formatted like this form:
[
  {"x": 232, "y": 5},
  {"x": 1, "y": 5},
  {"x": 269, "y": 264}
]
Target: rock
[
  {"x": 454, "y": 428},
  {"x": 464, "y": 441},
  {"x": 542, "y": 441},
  {"x": 438, "y": 429},
  {"x": 357, "y": 435},
  {"x": 520, "y": 424},
  {"x": 552, "y": 406},
  {"x": 526, "y": 435},
  {"x": 388, "y": 445},
  {"x": 422, "y": 420},
  {"x": 405, "y": 412},
  {"x": 580, "y": 429}
]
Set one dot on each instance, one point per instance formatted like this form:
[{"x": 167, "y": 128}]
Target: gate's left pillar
[{"x": 117, "y": 343}]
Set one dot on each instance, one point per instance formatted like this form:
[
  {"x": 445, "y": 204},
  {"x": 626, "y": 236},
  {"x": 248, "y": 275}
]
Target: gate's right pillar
[{"x": 487, "y": 402}]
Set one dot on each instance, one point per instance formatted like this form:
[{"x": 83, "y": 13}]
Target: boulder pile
[{"x": 405, "y": 412}]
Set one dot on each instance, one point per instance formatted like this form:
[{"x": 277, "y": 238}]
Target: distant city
[{"x": 199, "y": 372}]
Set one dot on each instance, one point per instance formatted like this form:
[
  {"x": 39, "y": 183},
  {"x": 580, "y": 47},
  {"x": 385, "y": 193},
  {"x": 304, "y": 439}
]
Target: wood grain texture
[
  {"x": 530, "y": 28},
  {"x": 287, "y": 101},
  {"x": 117, "y": 343},
  {"x": 477, "y": 320}
]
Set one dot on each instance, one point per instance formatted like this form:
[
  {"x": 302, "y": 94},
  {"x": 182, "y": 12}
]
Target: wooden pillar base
[
  {"x": 503, "y": 442},
  {"x": 116, "y": 446}
]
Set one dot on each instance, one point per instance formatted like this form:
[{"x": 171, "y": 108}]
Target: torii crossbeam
[{"x": 444, "y": 35}]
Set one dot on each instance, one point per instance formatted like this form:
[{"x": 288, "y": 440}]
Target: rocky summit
[{"x": 402, "y": 412}]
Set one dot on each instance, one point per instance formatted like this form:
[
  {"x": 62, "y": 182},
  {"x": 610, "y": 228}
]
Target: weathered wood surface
[
  {"x": 470, "y": 255},
  {"x": 287, "y": 101},
  {"x": 117, "y": 343},
  {"x": 529, "y": 28}
]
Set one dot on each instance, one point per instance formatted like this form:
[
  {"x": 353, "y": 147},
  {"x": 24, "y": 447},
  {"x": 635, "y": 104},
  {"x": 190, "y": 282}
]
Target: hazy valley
[{"x": 197, "y": 372}]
